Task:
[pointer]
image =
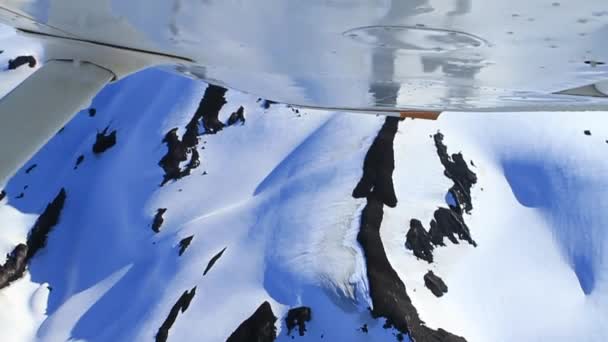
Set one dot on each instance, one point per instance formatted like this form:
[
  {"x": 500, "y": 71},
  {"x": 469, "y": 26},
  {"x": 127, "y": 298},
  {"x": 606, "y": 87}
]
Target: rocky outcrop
[
  {"x": 37, "y": 237},
  {"x": 449, "y": 223},
  {"x": 378, "y": 167},
  {"x": 419, "y": 241},
  {"x": 79, "y": 161},
  {"x": 458, "y": 171},
  {"x": 14, "y": 267},
  {"x": 257, "y": 328},
  {"x": 17, "y": 260},
  {"x": 181, "y": 305},
  {"x": 22, "y": 60},
  {"x": 92, "y": 112},
  {"x": 213, "y": 261},
  {"x": 387, "y": 291},
  {"x": 178, "y": 149},
  {"x": 104, "y": 141},
  {"x": 31, "y": 168},
  {"x": 298, "y": 317},
  {"x": 237, "y": 117},
  {"x": 158, "y": 219},
  {"x": 435, "y": 284},
  {"x": 184, "y": 244}
]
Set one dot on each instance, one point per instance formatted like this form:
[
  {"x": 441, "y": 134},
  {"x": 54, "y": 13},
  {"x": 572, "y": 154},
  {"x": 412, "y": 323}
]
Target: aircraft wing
[{"x": 366, "y": 55}]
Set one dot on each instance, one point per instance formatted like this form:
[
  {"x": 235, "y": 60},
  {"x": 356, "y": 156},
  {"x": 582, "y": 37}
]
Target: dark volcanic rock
[
  {"x": 458, "y": 171},
  {"x": 213, "y": 261},
  {"x": 435, "y": 284},
  {"x": 79, "y": 161},
  {"x": 158, "y": 219},
  {"x": 419, "y": 241},
  {"x": 587, "y": 132},
  {"x": 2, "y": 195},
  {"x": 14, "y": 267},
  {"x": 181, "y": 305},
  {"x": 387, "y": 291},
  {"x": 236, "y": 117},
  {"x": 208, "y": 111},
  {"x": 298, "y": 317},
  {"x": 379, "y": 165},
  {"x": 267, "y": 103},
  {"x": 92, "y": 112},
  {"x": 176, "y": 153},
  {"x": 37, "y": 237},
  {"x": 31, "y": 168},
  {"x": 184, "y": 243},
  {"x": 257, "y": 328},
  {"x": 447, "y": 223},
  {"x": 21, "y": 60},
  {"x": 104, "y": 141}
]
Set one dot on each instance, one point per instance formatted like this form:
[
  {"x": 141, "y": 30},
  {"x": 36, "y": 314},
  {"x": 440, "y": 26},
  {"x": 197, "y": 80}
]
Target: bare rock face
[
  {"x": 298, "y": 317},
  {"x": 22, "y": 60},
  {"x": 419, "y": 241},
  {"x": 79, "y": 161},
  {"x": 449, "y": 223},
  {"x": 158, "y": 219},
  {"x": 257, "y": 328},
  {"x": 184, "y": 244},
  {"x": 458, "y": 171},
  {"x": 37, "y": 237},
  {"x": 104, "y": 141},
  {"x": 435, "y": 284},
  {"x": 379, "y": 165},
  {"x": 387, "y": 291},
  {"x": 14, "y": 267},
  {"x": 237, "y": 117},
  {"x": 181, "y": 305},
  {"x": 178, "y": 149},
  {"x": 213, "y": 261}
]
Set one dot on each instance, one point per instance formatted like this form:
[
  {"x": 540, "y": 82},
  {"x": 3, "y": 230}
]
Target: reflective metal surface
[{"x": 361, "y": 54}]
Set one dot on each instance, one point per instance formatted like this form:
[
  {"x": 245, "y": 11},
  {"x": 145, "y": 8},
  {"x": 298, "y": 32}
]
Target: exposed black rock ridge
[
  {"x": 79, "y": 161},
  {"x": 21, "y": 60},
  {"x": 14, "y": 267},
  {"x": 213, "y": 261},
  {"x": 236, "y": 117},
  {"x": 104, "y": 141},
  {"x": 208, "y": 111},
  {"x": 181, "y": 305},
  {"x": 458, "y": 171},
  {"x": 16, "y": 261},
  {"x": 184, "y": 244},
  {"x": 387, "y": 291},
  {"x": 176, "y": 153},
  {"x": 435, "y": 284},
  {"x": 298, "y": 317},
  {"x": 158, "y": 219},
  {"x": 257, "y": 328},
  {"x": 2, "y": 195},
  {"x": 267, "y": 103},
  {"x": 37, "y": 237},
  {"x": 419, "y": 241},
  {"x": 447, "y": 223},
  {"x": 177, "y": 150},
  {"x": 31, "y": 168},
  {"x": 379, "y": 165}
]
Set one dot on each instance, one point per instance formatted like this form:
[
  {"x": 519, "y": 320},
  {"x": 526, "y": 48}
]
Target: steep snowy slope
[{"x": 187, "y": 218}]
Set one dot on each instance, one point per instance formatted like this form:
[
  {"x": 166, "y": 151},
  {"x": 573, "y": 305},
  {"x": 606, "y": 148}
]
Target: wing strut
[{"x": 34, "y": 111}]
